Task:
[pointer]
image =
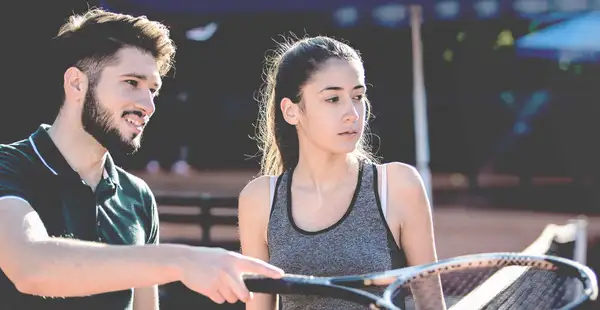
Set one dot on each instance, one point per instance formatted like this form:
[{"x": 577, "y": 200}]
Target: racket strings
[
  {"x": 537, "y": 289},
  {"x": 500, "y": 285},
  {"x": 491, "y": 288}
]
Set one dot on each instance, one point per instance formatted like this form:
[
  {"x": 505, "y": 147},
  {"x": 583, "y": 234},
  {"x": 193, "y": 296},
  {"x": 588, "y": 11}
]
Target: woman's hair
[{"x": 287, "y": 71}]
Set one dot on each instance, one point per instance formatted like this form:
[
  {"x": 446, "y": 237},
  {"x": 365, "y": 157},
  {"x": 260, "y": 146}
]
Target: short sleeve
[
  {"x": 13, "y": 177},
  {"x": 153, "y": 231},
  {"x": 148, "y": 212}
]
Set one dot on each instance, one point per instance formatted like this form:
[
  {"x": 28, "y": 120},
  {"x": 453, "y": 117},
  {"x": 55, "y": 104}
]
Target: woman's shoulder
[
  {"x": 253, "y": 202},
  {"x": 399, "y": 173},
  {"x": 256, "y": 188}
]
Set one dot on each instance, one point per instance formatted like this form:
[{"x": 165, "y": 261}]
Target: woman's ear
[{"x": 290, "y": 111}]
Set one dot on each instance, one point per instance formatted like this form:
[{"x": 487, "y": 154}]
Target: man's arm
[{"x": 41, "y": 265}]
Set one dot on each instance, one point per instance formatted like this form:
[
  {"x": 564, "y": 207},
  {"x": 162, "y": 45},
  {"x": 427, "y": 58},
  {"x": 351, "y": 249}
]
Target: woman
[{"x": 323, "y": 206}]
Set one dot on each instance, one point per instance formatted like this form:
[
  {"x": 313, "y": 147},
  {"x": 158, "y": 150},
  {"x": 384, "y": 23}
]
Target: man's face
[{"x": 120, "y": 104}]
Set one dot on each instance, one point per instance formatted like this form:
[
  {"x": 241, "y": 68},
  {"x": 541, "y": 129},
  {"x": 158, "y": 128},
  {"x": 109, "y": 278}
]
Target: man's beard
[{"x": 96, "y": 121}]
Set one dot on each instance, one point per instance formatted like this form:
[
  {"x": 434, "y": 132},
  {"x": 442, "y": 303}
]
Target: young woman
[{"x": 323, "y": 206}]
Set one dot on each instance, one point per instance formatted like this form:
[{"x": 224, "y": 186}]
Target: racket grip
[
  {"x": 304, "y": 285},
  {"x": 285, "y": 285},
  {"x": 262, "y": 284}
]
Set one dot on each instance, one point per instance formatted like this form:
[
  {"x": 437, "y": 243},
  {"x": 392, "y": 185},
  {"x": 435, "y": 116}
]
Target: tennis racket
[{"x": 481, "y": 281}]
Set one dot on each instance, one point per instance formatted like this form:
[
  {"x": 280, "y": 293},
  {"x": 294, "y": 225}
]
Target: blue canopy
[
  {"x": 253, "y": 6},
  {"x": 432, "y": 9},
  {"x": 575, "y": 40}
]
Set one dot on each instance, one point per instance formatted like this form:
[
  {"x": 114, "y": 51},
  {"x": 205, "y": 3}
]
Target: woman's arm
[
  {"x": 408, "y": 202},
  {"x": 253, "y": 213}
]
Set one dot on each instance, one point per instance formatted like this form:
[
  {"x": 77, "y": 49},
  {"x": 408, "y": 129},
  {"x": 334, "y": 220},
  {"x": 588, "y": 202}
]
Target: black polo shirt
[{"x": 122, "y": 211}]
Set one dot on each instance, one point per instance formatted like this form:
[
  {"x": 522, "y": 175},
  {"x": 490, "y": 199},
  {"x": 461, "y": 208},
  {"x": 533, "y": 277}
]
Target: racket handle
[
  {"x": 284, "y": 285},
  {"x": 262, "y": 284},
  {"x": 304, "y": 285}
]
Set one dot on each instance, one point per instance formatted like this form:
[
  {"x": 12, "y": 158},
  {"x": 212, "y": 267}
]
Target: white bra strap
[
  {"x": 272, "y": 184},
  {"x": 384, "y": 190}
]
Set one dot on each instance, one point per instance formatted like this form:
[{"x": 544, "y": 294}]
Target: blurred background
[{"x": 510, "y": 90}]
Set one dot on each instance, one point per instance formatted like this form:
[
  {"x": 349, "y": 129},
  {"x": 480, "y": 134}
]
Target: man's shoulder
[
  {"x": 131, "y": 180},
  {"x": 17, "y": 153},
  {"x": 145, "y": 205}
]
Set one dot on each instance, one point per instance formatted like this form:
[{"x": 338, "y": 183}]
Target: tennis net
[{"x": 512, "y": 287}]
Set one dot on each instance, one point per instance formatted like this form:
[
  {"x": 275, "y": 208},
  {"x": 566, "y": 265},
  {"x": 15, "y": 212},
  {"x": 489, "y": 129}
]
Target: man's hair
[{"x": 90, "y": 41}]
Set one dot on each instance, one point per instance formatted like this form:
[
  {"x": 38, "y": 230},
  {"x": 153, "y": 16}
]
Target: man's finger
[
  {"x": 226, "y": 290},
  {"x": 238, "y": 287},
  {"x": 216, "y": 296},
  {"x": 256, "y": 266}
]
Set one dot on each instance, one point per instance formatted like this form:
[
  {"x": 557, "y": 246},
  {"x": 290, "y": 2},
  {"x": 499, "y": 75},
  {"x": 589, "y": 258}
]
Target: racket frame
[{"x": 348, "y": 287}]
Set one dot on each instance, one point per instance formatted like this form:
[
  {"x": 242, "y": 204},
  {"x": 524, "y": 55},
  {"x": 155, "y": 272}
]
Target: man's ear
[{"x": 75, "y": 84}]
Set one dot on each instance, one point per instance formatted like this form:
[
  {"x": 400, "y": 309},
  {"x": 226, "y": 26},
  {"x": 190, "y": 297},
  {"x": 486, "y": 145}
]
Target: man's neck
[{"x": 81, "y": 151}]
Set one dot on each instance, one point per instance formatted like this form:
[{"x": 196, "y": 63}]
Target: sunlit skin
[
  {"x": 126, "y": 92},
  {"x": 331, "y": 116},
  {"x": 330, "y": 119},
  {"x": 108, "y": 116}
]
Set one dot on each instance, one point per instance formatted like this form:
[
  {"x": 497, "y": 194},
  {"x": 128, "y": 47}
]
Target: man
[{"x": 76, "y": 231}]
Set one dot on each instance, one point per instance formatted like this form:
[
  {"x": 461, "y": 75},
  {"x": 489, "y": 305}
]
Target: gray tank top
[{"x": 360, "y": 242}]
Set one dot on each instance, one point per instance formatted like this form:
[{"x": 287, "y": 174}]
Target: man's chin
[
  {"x": 131, "y": 147},
  {"x": 124, "y": 147}
]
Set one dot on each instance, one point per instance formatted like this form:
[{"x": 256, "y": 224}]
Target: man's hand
[
  {"x": 217, "y": 274},
  {"x": 55, "y": 267}
]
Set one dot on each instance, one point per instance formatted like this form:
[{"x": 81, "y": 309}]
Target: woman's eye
[{"x": 333, "y": 99}]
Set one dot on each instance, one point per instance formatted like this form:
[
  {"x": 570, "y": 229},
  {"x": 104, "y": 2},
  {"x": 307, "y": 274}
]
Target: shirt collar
[{"x": 53, "y": 159}]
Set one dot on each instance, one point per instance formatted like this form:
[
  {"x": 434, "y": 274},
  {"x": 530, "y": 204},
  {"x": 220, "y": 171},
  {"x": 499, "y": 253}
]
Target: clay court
[
  {"x": 504, "y": 90},
  {"x": 461, "y": 228},
  {"x": 464, "y": 223}
]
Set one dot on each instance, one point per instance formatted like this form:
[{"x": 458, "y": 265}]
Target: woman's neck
[{"x": 324, "y": 172}]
